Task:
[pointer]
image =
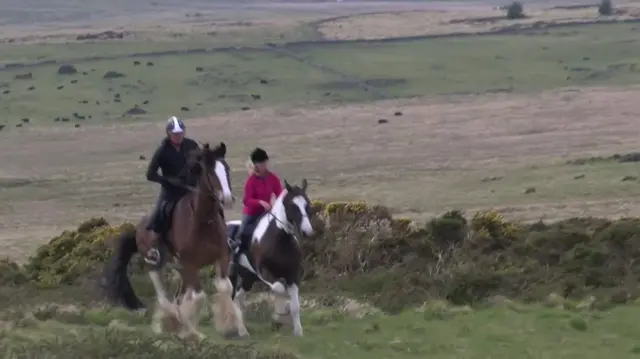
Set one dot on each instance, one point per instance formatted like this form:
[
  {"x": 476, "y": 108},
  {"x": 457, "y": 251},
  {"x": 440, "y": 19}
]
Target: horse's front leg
[
  {"x": 190, "y": 306},
  {"x": 166, "y": 314},
  {"x": 227, "y": 314},
  {"x": 294, "y": 308}
]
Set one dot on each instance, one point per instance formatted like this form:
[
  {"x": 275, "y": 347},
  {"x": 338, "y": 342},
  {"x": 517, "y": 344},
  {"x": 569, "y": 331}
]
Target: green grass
[
  {"x": 552, "y": 183},
  {"x": 31, "y": 53},
  {"x": 479, "y": 64},
  {"x": 437, "y": 332},
  {"x": 226, "y": 83},
  {"x": 590, "y": 55}
]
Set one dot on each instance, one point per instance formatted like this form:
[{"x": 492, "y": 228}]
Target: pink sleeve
[
  {"x": 277, "y": 186},
  {"x": 249, "y": 198}
]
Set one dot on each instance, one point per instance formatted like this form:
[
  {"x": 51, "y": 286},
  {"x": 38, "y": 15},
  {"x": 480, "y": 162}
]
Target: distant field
[
  {"x": 590, "y": 55},
  {"x": 475, "y": 17},
  {"x": 147, "y": 42},
  {"x": 224, "y": 81},
  {"x": 597, "y": 54}
]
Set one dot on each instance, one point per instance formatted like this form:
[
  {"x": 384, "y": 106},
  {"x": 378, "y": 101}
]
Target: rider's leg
[
  {"x": 152, "y": 256},
  {"x": 244, "y": 232}
]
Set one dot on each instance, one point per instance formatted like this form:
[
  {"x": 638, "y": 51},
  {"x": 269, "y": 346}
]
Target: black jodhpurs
[{"x": 157, "y": 222}]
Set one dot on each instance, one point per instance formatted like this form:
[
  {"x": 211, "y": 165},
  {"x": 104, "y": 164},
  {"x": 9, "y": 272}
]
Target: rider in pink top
[{"x": 260, "y": 189}]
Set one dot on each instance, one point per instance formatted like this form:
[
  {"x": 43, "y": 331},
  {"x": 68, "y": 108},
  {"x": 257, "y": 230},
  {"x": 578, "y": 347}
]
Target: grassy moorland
[
  {"x": 451, "y": 288},
  {"x": 320, "y": 74}
]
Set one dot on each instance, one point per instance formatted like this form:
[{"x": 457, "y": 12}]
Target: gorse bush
[
  {"x": 363, "y": 251},
  {"x": 73, "y": 254}
]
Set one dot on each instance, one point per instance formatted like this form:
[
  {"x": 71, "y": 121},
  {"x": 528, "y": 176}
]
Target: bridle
[
  {"x": 209, "y": 187},
  {"x": 290, "y": 228}
]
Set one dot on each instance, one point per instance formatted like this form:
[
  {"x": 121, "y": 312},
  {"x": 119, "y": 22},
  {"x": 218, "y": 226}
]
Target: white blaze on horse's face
[
  {"x": 305, "y": 223},
  {"x": 226, "y": 195}
]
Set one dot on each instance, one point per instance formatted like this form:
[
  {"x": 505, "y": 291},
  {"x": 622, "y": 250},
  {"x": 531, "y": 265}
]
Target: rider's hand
[
  {"x": 174, "y": 181},
  {"x": 266, "y": 205}
]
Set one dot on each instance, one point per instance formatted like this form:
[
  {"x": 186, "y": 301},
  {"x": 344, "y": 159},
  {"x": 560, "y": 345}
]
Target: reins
[{"x": 287, "y": 227}]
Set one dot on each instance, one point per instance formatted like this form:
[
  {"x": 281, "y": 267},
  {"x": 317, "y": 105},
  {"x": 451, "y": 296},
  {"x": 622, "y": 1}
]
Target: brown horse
[
  {"x": 197, "y": 238},
  {"x": 275, "y": 248}
]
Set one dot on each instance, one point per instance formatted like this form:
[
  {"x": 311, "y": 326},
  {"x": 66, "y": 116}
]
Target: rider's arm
[
  {"x": 277, "y": 185},
  {"x": 249, "y": 198},
  {"x": 154, "y": 165}
]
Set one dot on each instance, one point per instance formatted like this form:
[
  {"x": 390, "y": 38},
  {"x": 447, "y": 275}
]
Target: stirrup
[{"x": 155, "y": 253}]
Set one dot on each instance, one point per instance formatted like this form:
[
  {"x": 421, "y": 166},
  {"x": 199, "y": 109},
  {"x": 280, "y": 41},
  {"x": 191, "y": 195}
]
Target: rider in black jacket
[{"x": 171, "y": 159}]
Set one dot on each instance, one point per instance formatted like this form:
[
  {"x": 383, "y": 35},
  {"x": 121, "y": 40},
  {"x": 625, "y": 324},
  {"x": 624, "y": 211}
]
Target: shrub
[
  {"x": 515, "y": 11},
  {"x": 11, "y": 274},
  {"x": 73, "y": 254},
  {"x": 115, "y": 343},
  {"x": 361, "y": 250},
  {"x": 605, "y": 8}
]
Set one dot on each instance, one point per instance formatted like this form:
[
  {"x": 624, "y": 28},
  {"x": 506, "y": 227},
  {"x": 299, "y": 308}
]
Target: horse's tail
[{"x": 116, "y": 277}]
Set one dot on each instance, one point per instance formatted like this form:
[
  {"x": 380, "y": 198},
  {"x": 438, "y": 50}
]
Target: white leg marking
[
  {"x": 240, "y": 298},
  {"x": 160, "y": 292},
  {"x": 242, "y": 329},
  {"x": 305, "y": 225},
  {"x": 189, "y": 313},
  {"x": 224, "y": 286},
  {"x": 166, "y": 311},
  {"x": 295, "y": 309}
]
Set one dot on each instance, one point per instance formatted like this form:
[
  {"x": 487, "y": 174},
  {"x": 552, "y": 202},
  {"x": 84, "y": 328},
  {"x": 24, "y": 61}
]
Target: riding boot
[{"x": 241, "y": 247}]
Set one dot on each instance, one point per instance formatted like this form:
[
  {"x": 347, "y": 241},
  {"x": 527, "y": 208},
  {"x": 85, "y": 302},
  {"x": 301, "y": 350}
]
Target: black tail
[{"x": 116, "y": 278}]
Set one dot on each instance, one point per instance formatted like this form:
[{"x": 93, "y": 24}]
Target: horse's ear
[
  {"x": 287, "y": 186},
  {"x": 304, "y": 185},
  {"x": 220, "y": 151}
]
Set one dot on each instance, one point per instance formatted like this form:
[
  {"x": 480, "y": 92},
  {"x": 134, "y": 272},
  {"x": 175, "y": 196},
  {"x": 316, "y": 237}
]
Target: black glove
[{"x": 170, "y": 181}]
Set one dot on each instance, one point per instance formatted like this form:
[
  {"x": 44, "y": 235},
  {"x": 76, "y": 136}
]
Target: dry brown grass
[
  {"x": 159, "y": 27},
  {"x": 431, "y": 158},
  {"x": 459, "y": 19},
  {"x": 177, "y": 21}
]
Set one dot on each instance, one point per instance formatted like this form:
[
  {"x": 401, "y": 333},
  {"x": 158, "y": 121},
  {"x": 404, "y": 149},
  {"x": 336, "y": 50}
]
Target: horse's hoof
[
  {"x": 231, "y": 335},
  {"x": 193, "y": 337}
]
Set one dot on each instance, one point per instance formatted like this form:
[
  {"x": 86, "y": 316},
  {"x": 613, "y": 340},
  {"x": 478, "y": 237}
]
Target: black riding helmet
[
  {"x": 259, "y": 155},
  {"x": 175, "y": 125}
]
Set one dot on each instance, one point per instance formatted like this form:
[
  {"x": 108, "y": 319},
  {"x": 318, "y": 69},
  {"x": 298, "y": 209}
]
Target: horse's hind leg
[{"x": 246, "y": 282}]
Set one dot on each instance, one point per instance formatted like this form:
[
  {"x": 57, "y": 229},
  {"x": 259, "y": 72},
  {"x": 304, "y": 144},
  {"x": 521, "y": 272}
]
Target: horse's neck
[
  {"x": 205, "y": 206},
  {"x": 278, "y": 211}
]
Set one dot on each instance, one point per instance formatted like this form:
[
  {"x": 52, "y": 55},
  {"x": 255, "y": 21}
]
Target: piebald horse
[
  {"x": 197, "y": 238},
  {"x": 275, "y": 248}
]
